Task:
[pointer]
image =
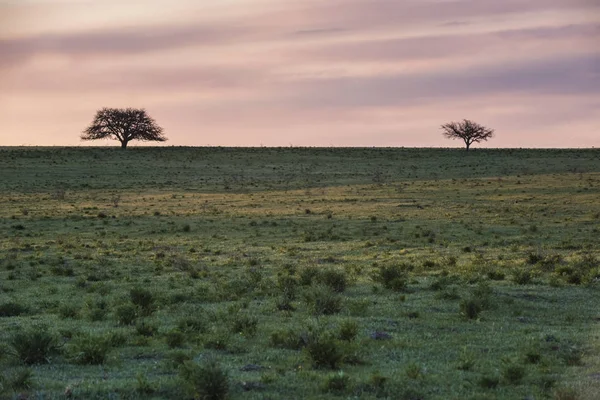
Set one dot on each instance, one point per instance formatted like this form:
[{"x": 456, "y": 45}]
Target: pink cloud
[{"x": 342, "y": 72}]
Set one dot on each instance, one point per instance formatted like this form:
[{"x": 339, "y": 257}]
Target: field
[{"x": 290, "y": 273}]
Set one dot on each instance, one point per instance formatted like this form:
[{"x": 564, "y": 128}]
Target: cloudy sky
[{"x": 304, "y": 72}]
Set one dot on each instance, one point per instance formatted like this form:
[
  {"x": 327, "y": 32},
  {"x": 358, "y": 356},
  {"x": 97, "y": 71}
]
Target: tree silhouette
[
  {"x": 123, "y": 125},
  {"x": 470, "y": 132}
]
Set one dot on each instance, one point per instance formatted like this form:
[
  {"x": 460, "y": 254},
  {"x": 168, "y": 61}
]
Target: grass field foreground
[{"x": 287, "y": 273}]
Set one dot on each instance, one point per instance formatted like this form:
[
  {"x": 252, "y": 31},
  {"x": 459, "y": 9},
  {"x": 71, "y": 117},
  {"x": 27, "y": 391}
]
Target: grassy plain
[{"x": 299, "y": 273}]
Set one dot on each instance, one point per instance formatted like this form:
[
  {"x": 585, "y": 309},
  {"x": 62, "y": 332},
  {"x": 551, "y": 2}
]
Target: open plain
[{"x": 289, "y": 273}]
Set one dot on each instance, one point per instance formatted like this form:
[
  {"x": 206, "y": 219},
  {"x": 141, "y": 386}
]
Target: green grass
[{"x": 299, "y": 273}]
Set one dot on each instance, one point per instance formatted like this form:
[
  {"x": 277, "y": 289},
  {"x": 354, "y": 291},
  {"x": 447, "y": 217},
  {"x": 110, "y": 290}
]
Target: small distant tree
[
  {"x": 470, "y": 132},
  {"x": 123, "y": 125}
]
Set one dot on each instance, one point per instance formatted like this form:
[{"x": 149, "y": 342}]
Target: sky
[{"x": 303, "y": 72}]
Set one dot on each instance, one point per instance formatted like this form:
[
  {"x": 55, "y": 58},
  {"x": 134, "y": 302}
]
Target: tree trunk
[
  {"x": 468, "y": 145},
  {"x": 124, "y": 144}
]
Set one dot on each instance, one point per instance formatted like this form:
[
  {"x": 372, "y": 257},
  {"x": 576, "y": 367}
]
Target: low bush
[
  {"x": 335, "y": 279},
  {"x": 414, "y": 371},
  {"x": 348, "y": 330},
  {"x": 287, "y": 339},
  {"x": 145, "y": 328},
  {"x": 207, "y": 381},
  {"x": 471, "y": 308},
  {"x": 324, "y": 351},
  {"x": 392, "y": 277},
  {"x": 479, "y": 300},
  {"x": 90, "y": 349},
  {"x": 489, "y": 381},
  {"x": 322, "y": 300},
  {"x": 440, "y": 283},
  {"x": 192, "y": 324},
  {"x": 308, "y": 275},
  {"x": 68, "y": 311},
  {"x": 34, "y": 345},
  {"x": 522, "y": 277},
  {"x": 513, "y": 373},
  {"x": 337, "y": 384},
  {"x": 495, "y": 274},
  {"x": 288, "y": 286},
  {"x": 126, "y": 314},
  {"x": 175, "y": 338},
  {"x": 97, "y": 309},
  {"x": 19, "y": 379},
  {"x": 144, "y": 387},
  {"x": 12, "y": 309},
  {"x": 217, "y": 340},
  {"x": 144, "y": 299},
  {"x": 466, "y": 360},
  {"x": 245, "y": 325}
]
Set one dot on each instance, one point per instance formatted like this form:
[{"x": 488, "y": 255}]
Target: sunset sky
[{"x": 304, "y": 72}]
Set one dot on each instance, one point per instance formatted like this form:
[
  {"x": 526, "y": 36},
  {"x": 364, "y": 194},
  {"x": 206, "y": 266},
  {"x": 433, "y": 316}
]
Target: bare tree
[
  {"x": 123, "y": 125},
  {"x": 470, "y": 132}
]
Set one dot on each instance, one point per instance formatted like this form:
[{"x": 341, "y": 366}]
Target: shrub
[
  {"x": 146, "y": 329},
  {"x": 533, "y": 356},
  {"x": 284, "y": 304},
  {"x": 20, "y": 379},
  {"x": 482, "y": 294},
  {"x": 175, "y": 338},
  {"x": 288, "y": 286},
  {"x": 466, "y": 360},
  {"x": 440, "y": 283},
  {"x": 178, "y": 358},
  {"x": 62, "y": 270},
  {"x": 12, "y": 309},
  {"x": 207, "y": 382},
  {"x": 308, "y": 275},
  {"x": 192, "y": 324},
  {"x": 322, "y": 300},
  {"x": 348, "y": 330},
  {"x": 513, "y": 373},
  {"x": 489, "y": 381},
  {"x": 470, "y": 308},
  {"x": 143, "y": 298},
  {"x": 495, "y": 274},
  {"x": 450, "y": 294},
  {"x": 68, "y": 311},
  {"x": 414, "y": 371},
  {"x": 90, "y": 350},
  {"x": 377, "y": 383},
  {"x": 565, "y": 394},
  {"x": 126, "y": 314},
  {"x": 116, "y": 339},
  {"x": 324, "y": 351},
  {"x": 287, "y": 339},
  {"x": 534, "y": 257},
  {"x": 97, "y": 310},
  {"x": 216, "y": 340},
  {"x": 143, "y": 385},
  {"x": 522, "y": 277},
  {"x": 335, "y": 279},
  {"x": 34, "y": 345},
  {"x": 571, "y": 354},
  {"x": 337, "y": 384},
  {"x": 392, "y": 277},
  {"x": 245, "y": 325}
]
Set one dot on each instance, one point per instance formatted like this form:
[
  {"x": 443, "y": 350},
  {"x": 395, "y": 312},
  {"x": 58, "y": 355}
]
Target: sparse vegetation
[{"x": 421, "y": 274}]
